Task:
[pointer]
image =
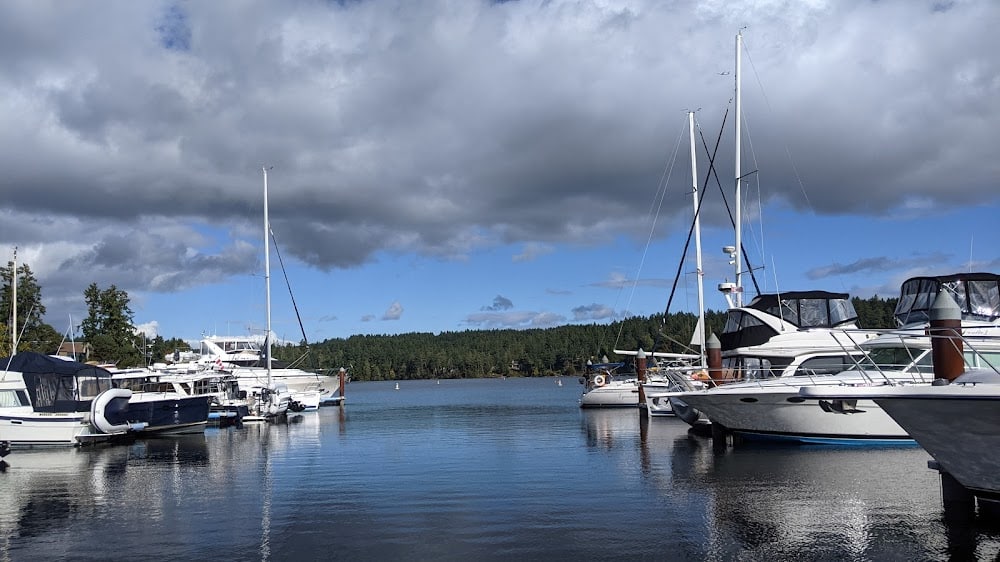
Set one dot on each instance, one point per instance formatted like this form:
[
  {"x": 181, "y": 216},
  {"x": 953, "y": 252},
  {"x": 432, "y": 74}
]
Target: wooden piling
[
  {"x": 945, "y": 331},
  {"x": 640, "y": 372},
  {"x": 343, "y": 381},
  {"x": 713, "y": 354}
]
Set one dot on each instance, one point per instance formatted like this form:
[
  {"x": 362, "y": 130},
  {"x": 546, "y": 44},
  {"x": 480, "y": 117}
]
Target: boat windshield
[
  {"x": 899, "y": 359},
  {"x": 750, "y": 368}
]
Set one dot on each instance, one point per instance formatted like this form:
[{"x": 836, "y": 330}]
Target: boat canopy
[
  {"x": 808, "y": 309},
  {"x": 976, "y": 294},
  {"x": 803, "y": 309},
  {"x": 58, "y": 385}
]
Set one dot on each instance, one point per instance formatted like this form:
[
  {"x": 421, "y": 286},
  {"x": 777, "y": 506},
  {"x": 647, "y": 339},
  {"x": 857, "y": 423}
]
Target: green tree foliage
[
  {"x": 562, "y": 350},
  {"x": 108, "y": 327},
  {"x": 33, "y": 334},
  {"x": 875, "y": 313}
]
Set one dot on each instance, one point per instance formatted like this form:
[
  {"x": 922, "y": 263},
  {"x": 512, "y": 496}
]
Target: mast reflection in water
[{"x": 485, "y": 469}]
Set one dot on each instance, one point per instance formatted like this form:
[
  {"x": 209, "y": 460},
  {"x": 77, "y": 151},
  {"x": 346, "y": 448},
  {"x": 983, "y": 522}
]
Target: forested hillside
[{"x": 537, "y": 352}]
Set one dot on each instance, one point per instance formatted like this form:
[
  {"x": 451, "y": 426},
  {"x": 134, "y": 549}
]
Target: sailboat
[
  {"x": 668, "y": 378},
  {"x": 272, "y": 400},
  {"x": 775, "y": 335}
]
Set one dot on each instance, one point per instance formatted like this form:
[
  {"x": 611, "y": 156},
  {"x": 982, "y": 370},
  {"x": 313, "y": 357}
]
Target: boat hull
[
  {"x": 612, "y": 395},
  {"x": 31, "y": 429},
  {"x": 169, "y": 413},
  {"x": 781, "y": 414}
]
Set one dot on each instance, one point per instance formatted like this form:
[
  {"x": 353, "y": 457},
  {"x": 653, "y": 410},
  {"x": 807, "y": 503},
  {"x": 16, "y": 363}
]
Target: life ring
[{"x": 599, "y": 380}]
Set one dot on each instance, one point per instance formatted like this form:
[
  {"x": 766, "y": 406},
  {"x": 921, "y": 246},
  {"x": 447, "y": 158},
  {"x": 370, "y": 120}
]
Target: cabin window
[
  {"x": 90, "y": 387},
  {"x": 841, "y": 311},
  {"x": 824, "y": 365},
  {"x": 48, "y": 388},
  {"x": 754, "y": 367},
  {"x": 12, "y": 398},
  {"x": 925, "y": 364},
  {"x": 984, "y": 299},
  {"x": 985, "y": 360},
  {"x": 813, "y": 313}
]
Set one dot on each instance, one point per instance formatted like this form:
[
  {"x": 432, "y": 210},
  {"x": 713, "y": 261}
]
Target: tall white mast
[
  {"x": 700, "y": 327},
  {"x": 267, "y": 283},
  {"x": 739, "y": 218}
]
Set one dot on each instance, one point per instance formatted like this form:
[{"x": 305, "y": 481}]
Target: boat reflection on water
[
  {"x": 777, "y": 501},
  {"x": 47, "y": 490},
  {"x": 608, "y": 429}
]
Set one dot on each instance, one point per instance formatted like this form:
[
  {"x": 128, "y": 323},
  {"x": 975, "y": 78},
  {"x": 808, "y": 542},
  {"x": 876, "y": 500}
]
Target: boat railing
[{"x": 979, "y": 350}]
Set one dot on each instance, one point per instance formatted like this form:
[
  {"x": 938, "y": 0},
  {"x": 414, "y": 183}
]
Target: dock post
[
  {"x": 945, "y": 331},
  {"x": 958, "y": 501},
  {"x": 343, "y": 377},
  {"x": 713, "y": 353},
  {"x": 640, "y": 373}
]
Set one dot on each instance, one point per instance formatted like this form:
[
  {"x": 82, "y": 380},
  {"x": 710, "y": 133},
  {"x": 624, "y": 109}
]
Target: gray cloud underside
[{"x": 441, "y": 128}]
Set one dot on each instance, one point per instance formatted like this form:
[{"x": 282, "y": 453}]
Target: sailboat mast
[
  {"x": 739, "y": 219},
  {"x": 13, "y": 306},
  {"x": 700, "y": 327},
  {"x": 267, "y": 283}
]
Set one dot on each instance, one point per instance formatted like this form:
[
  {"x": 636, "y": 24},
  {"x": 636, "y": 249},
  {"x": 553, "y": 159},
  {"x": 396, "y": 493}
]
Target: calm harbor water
[{"x": 482, "y": 469}]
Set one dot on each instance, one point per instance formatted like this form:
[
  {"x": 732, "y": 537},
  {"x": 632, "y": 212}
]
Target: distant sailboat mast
[
  {"x": 739, "y": 172},
  {"x": 699, "y": 331},
  {"x": 13, "y": 306}
]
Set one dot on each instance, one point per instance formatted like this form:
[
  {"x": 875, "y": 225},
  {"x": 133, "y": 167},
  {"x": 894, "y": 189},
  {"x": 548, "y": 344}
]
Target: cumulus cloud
[
  {"x": 532, "y": 250},
  {"x": 442, "y": 129},
  {"x": 876, "y": 265},
  {"x": 592, "y": 312},
  {"x": 526, "y": 319},
  {"x": 499, "y": 303},
  {"x": 149, "y": 329},
  {"x": 394, "y": 312}
]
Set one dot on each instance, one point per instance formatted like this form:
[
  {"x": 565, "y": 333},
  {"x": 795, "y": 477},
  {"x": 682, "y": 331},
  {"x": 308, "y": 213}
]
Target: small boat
[
  {"x": 50, "y": 401},
  {"x": 164, "y": 406},
  {"x": 605, "y": 387}
]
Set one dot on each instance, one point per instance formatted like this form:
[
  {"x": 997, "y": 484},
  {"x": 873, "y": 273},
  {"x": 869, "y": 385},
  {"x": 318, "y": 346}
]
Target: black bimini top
[
  {"x": 804, "y": 309},
  {"x": 57, "y": 385},
  {"x": 976, "y": 294}
]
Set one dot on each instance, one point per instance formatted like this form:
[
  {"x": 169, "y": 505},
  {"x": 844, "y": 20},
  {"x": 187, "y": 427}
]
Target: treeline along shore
[{"x": 556, "y": 351}]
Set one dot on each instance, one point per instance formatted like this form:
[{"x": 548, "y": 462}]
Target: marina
[
  {"x": 495, "y": 469},
  {"x": 464, "y": 193}
]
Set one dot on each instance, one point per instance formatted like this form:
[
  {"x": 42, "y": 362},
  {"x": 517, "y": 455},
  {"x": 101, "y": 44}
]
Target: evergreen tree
[
  {"x": 32, "y": 333},
  {"x": 108, "y": 327}
]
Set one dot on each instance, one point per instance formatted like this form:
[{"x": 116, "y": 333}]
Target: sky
[{"x": 450, "y": 165}]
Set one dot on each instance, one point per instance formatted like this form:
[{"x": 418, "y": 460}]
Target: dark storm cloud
[{"x": 441, "y": 128}]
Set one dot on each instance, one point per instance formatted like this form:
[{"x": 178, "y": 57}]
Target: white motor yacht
[{"x": 773, "y": 408}]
